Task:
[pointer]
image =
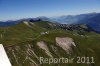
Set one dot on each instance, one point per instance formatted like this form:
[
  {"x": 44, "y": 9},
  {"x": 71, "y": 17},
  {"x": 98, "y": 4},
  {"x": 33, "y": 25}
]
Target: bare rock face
[
  {"x": 43, "y": 46},
  {"x": 25, "y": 55},
  {"x": 65, "y": 43},
  {"x": 22, "y": 55},
  {"x": 29, "y": 24},
  {"x": 26, "y": 23}
]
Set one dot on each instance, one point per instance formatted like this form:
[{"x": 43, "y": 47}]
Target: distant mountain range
[
  {"x": 91, "y": 19},
  {"x": 11, "y": 22}
]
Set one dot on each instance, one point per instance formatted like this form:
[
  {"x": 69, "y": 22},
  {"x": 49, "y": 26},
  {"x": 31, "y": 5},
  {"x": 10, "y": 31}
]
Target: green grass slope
[{"x": 20, "y": 42}]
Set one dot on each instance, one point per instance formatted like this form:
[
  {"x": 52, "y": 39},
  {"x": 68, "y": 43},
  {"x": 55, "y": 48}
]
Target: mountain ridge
[
  {"x": 26, "y": 41},
  {"x": 91, "y": 19}
]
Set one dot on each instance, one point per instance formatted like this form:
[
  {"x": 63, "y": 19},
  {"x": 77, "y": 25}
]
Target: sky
[{"x": 18, "y": 9}]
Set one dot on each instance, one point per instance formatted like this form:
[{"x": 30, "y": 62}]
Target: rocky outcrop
[
  {"x": 28, "y": 54},
  {"x": 65, "y": 43},
  {"x": 22, "y": 55},
  {"x": 43, "y": 46}
]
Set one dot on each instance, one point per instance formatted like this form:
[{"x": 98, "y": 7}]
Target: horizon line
[{"x": 48, "y": 16}]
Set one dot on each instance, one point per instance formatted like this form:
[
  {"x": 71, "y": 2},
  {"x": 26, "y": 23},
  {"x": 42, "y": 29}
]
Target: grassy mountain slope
[{"x": 20, "y": 42}]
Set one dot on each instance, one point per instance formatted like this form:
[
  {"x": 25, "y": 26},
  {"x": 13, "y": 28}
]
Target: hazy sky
[{"x": 17, "y": 9}]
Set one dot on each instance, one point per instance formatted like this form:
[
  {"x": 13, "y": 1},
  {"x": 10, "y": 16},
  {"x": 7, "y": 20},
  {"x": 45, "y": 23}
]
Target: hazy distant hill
[
  {"x": 11, "y": 23},
  {"x": 91, "y": 19},
  {"x": 7, "y": 23}
]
